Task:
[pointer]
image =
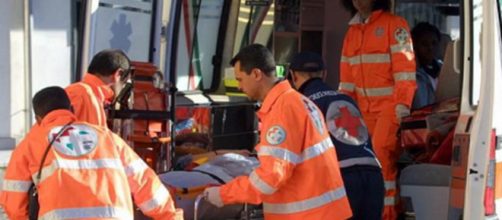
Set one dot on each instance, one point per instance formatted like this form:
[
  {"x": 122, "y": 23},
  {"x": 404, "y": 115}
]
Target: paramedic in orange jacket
[
  {"x": 89, "y": 172},
  {"x": 90, "y": 96},
  {"x": 378, "y": 70},
  {"x": 298, "y": 176}
]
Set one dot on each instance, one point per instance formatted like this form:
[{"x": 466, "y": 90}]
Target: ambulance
[{"x": 191, "y": 42}]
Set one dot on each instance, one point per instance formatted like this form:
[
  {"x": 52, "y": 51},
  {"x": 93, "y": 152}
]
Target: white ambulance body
[{"x": 50, "y": 42}]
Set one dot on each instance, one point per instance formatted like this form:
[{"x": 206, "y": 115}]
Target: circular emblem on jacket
[
  {"x": 345, "y": 123},
  {"x": 275, "y": 135},
  {"x": 76, "y": 140},
  {"x": 379, "y": 31},
  {"x": 401, "y": 35}
]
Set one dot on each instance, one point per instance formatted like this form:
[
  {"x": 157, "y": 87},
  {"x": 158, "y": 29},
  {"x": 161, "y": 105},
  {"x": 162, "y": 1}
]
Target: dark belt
[{"x": 211, "y": 175}]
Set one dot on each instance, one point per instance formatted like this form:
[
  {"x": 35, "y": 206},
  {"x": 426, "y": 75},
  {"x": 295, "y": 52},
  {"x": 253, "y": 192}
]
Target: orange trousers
[{"x": 383, "y": 128}]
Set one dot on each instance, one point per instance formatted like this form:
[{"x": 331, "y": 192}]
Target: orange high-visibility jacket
[
  {"x": 378, "y": 63},
  {"x": 89, "y": 173},
  {"x": 298, "y": 176},
  {"x": 88, "y": 98}
]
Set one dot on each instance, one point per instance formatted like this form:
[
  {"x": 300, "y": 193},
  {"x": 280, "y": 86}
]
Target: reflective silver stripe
[
  {"x": 317, "y": 149},
  {"x": 261, "y": 185},
  {"x": 400, "y": 48},
  {"x": 78, "y": 165},
  {"x": 158, "y": 199},
  {"x": 279, "y": 153},
  {"x": 284, "y": 154},
  {"x": 315, "y": 202},
  {"x": 94, "y": 101},
  {"x": 367, "y": 58},
  {"x": 389, "y": 201},
  {"x": 404, "y": 76},
  {"x": 346, "y": 86},
  {"x": 16, "y": 185},
  {"x": 135, "y": 167},
  {"x": 89, "y": 212},
  {"x": 355, "y": 60},
  {"x": 383, "y": 91},
  {"x": 345, "y": 59},
  {"x": 46, "y": 172},
  {"x": 375, "y": 58},
  {"x": 390, "y": 185},
  {"x": 359, "y": 161},
  {"x": 88, "y": 164}
]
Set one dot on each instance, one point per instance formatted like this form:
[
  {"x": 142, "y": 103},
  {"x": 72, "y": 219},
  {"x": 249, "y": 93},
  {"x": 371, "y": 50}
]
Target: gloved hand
[
  {"x": 402, "y": 111},
  {"x": 212, "y": 195}
]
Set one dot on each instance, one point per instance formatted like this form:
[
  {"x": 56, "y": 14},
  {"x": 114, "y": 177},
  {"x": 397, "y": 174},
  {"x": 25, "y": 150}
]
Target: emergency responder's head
[
  {"x": 254, "y": 69},
  {"x": 304, "y": 66},
  {"x": 111, "y": 65},
  {"x": 366, "y": 6},
  {"x": 426, "y": 39},
  {"x": 48, "y": 100}
]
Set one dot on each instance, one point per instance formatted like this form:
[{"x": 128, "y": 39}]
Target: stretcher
[
  {"x": 187, "y": 188},
  {"x": 195, "y": 207},
  {"x": 247, "y": 212},
  {"x": 424, "y": 131}
]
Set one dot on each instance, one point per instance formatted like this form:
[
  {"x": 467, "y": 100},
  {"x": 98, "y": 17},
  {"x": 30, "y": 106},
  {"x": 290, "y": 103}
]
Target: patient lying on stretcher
[{"x": 215, "y": 168}]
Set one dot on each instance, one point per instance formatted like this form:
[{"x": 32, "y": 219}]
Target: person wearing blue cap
[{"x": 360, "y": 169}]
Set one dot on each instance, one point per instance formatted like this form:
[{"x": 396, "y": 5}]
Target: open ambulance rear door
[{"x": 472, "y": 179}]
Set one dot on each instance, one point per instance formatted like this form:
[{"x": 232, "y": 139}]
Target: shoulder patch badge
[
  {"x": 401, "y": 35},
  {"x": 275, "y": 135},
  {"x": 76, "y": 140}
]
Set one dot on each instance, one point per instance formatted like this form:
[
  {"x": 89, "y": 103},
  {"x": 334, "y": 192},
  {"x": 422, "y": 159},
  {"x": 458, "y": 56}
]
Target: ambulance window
[
  {"x": 444, "y": 14},
  {"x": 126, "y": 25},
  {"x": 499, "y": 3},
  {"x": 77, "y": 22},
  {"x": 198, "y": 40},
  {"x": 254, "y": 25},
  {"x": 476, "y": 24}
]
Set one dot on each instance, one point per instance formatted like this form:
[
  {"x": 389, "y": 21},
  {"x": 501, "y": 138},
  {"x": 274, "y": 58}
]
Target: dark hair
[
  {"x": 255, "y": 56},
  {"x": 424, "y": 27},
  {"x": 50, "y": 99},
  {"x": 106, "y": 62},
  {"x": 377, "y": 5}
]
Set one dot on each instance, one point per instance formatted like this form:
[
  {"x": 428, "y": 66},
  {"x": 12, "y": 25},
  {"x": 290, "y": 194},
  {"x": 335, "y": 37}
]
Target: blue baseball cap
[{"x": 307, "y": 62}]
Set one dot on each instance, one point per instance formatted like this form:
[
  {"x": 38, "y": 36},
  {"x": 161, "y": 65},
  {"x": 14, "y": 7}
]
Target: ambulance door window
[
  {"x": 254, "y": 25},
  {"x": 198, "y": 39},
  {"x": 445, "y": 16},
  {"x": 476, "y": 24},
  {"x": 51, "y": 44},
  {"x": 499, "y": 4},
  {"x": 125, "y": 25}
]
